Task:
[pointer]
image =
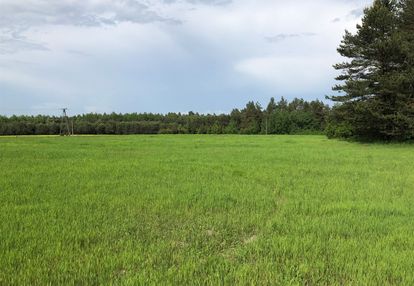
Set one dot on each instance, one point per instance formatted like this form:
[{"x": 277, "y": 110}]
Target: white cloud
[
  {"x": 125, "y": 54},
  {"x": 286, "y": 73}
]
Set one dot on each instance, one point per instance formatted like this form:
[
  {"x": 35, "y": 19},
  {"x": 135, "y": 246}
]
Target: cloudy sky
[{"x": 167, "y": 55}]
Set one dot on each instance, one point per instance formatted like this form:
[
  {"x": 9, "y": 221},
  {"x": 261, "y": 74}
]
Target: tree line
[
  {"x": 278, "y": 117},
  {"x": 376, "y": 93}
]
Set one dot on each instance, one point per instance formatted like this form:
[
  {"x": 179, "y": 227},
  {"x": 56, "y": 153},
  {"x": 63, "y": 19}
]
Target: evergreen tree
[
  {"x": 267, "y": 126},
  {"x": 251, "y": 118},
  {"x": 282, "y": 104},
  {"x": 372, "y": 98},
  {"x": 271, "y": 107},
  {"x": 406, "y": 92}
]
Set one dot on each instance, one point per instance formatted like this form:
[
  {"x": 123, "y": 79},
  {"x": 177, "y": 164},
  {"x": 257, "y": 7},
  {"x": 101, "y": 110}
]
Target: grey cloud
[
  {"x": 16, "y": 18},
  {"x": 11, "y": 45},
  {"x": 353, "y": 14},
  {"x": 356, "y": 13},
  {"x": 210, "y": 2},
  {"x": 204, "y": 2},
  {"x": 12, "y": 40},
  {"x": 281, "y": 37},
  {"x": 83, "y": 13}
]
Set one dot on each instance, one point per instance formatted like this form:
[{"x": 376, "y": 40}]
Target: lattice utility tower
[{"x": 64, "y": 124}]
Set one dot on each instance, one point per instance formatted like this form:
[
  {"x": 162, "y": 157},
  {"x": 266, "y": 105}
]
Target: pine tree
[
  {"x": 271, "y": 107},
  {"x": 251, "y": 118},
  {"x": 407, "y": 83},
  {"x": 371, "y": 100},
  {"x": 282, "y": 105},
  {"x": 267, "y": 124}
]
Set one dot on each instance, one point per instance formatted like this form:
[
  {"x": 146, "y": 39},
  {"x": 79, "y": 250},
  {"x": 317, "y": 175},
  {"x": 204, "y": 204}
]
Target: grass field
[{"x": 205, "y": 210}]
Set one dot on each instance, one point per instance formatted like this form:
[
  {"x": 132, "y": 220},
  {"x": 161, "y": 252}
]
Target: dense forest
[{"x": 282, "y": 117}]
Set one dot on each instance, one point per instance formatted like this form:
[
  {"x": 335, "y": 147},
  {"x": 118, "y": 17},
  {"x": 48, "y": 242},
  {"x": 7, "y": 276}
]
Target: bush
[{"x": 341, "y": 130}]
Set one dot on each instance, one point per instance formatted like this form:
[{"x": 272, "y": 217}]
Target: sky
[{"x": 206, "y": 56}]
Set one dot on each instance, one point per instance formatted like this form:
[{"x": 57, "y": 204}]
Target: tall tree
[
  {"x": 406, "y": 91},
  {"x": 251, "y": 118},
  {"x": 271, "y": 108},
  {"x": 370, "y": 99},
  {"x": 282, "y": 105}
]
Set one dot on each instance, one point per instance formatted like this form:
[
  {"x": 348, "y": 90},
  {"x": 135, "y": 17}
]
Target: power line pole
[{"x": 64, "y": 123}]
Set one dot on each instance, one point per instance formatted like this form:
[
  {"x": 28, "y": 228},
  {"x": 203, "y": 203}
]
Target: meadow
[{"x": 205, "y": 210}]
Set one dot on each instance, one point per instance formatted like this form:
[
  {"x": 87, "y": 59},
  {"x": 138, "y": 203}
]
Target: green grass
[{"x": 205, "y": 210}]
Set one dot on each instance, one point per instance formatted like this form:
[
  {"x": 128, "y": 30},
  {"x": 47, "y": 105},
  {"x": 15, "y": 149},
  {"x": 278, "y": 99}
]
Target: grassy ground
[{"x": 205, "y": 210}]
